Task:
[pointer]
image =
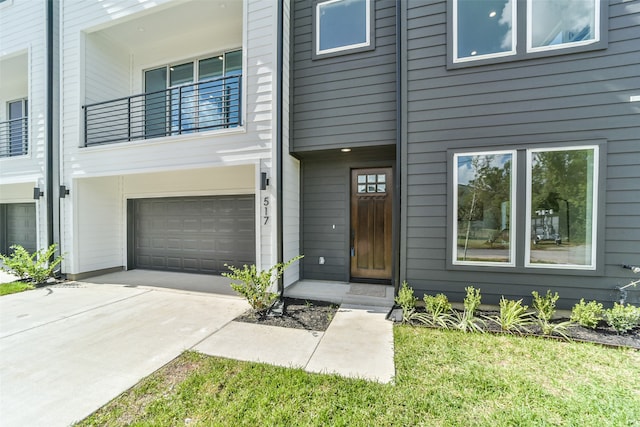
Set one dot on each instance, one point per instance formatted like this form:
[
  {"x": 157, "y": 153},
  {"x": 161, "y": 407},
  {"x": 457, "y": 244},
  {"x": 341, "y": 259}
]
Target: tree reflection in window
[{"x": 483, "y": 208}]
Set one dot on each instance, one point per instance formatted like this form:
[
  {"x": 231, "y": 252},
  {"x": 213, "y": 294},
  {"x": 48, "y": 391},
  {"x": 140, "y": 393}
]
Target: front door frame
[{"x": 372, "y": 274}]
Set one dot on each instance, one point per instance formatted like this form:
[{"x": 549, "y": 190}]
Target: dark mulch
[
  {"x": 603, "y": 334},
  {"x": 300, "y": 314}
]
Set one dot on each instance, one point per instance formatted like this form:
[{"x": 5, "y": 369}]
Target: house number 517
[{"x": 265, "y": 204}]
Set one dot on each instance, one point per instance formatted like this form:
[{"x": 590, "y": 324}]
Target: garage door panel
[
  {"x": 19, "y": 221},
  {"x": 194, "y": 234}
]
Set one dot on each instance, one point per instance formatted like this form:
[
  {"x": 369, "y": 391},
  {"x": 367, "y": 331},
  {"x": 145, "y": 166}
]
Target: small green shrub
[
  {"x": 35, "y": 267},
  {"x": 467, "y": 321},
  {"x": 587, "y": 314},
  {"x": 622, "y": 318},
  {"x": 437, "y": 304},
  {"x": 256, "y": 285},
  {"x": 438, "y": 310},
  {"x": 407, "y": 301},
  {"x": 545, "y": 307},
  {"x": 513, "y": 316}
]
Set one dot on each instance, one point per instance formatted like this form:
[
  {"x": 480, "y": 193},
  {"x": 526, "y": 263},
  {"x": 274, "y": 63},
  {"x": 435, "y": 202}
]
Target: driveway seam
[{"x": 75, "y": 314}]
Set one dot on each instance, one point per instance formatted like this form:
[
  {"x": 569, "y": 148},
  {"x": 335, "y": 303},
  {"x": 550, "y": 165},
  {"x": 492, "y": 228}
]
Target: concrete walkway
[
  {"x": 68, "y": 349},
  {"x": 358, "y": 343}
]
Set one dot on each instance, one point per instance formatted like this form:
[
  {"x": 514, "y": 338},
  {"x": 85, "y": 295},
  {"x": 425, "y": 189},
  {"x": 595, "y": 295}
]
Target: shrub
[
  {"x": 513, "y": 316},
  {"x": 256, "y": 285},
  {"x": 467, "y": 320},
  {"x": 545, "y": 307},
  {"x": 622, "y": 318},
  {"x": 35, "y": 267},
  {"x": 436, "y": 305},
  {"x": 587, "y": 314},
  {"x": 438, "y": 310},
  {"x": 407, "y": 301}
]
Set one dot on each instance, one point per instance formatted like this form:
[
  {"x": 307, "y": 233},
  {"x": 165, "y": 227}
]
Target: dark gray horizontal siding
[
  {"x": 566, "y": 98},
  {"x": 325, "y": 203},
  {"x": 346, "y": 100}
]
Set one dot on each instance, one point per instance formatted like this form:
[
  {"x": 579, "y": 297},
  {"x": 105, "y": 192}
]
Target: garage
[
  {"x": 191, "y": 234},
  {"x": 18, "y": 226}
]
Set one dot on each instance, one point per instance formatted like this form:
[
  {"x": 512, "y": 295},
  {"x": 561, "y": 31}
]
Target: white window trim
[
  {"x": 596, "y": 26},
  {"x": 514, "y": 38},
  {"x": 366, "y": 43},
  {"x": 594, "y": 209},
  {"x": 513, "y": 222}
]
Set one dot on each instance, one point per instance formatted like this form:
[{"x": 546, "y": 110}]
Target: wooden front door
[{"x": 371, "y": 203}]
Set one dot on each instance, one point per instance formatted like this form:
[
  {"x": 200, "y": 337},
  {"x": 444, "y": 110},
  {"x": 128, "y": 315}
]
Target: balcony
[
  {"x": 13, "y": 137},
  {"x": 207, "y": 105}
]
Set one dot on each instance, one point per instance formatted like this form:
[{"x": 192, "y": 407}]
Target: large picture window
[
  {"x": 546, "y": 213},
  {"x": 561, "y": 207},
  {"x": 342, "y": 25},
  {"x": 489, "y": 28},
  {"x": 483, "y": 208}
]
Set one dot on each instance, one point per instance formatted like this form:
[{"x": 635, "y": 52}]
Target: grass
[
  {"x": 14, "y": 287},
  {"x": 444, "y": 378}
]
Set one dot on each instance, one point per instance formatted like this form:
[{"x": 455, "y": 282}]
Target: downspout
[
  {"x": 279, "y": 137},
  {"x": 49, "y": 175},
  {"x": 398, "y": 174}
]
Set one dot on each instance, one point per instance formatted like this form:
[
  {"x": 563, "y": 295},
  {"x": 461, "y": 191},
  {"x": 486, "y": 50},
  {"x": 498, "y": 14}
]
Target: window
[
  {"x": 342, "y": 25},
  {"x": 484, "y": 29},
  {"x": 372, "y": 183},
  {"x": 559, "y": 24},
  {"x": 483, "y": 208},
  {"x": 561, "y": 207},
  {"x": 195, "y": 95},
  {"x": 489, "y": 29},
  {"x": 557, "y": 191},
  {"x": 14, "y": 132}
]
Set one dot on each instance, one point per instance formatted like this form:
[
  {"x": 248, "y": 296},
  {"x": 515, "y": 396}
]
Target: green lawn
[
  {"x": 14, "y": 288},
  {"x": 444, "y": 378}
]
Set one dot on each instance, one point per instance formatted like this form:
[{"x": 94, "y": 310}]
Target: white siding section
[
  {"x": 22, "y": 39},
  {"x": 291, "y": 169},
  {"x": 106, "y": 70},
  {"x": 98, "y": 213},
  {"x": 95, "y": 68}
]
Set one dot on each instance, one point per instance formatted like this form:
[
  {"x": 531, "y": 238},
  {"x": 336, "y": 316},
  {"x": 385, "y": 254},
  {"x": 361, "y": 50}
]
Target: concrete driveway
[{"x": 66, "y": 350}]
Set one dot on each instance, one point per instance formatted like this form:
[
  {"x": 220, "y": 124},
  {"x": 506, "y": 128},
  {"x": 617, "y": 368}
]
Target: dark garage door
[
  {"x": 18, "y": 226},
  {"x": 192, "y": 234}
]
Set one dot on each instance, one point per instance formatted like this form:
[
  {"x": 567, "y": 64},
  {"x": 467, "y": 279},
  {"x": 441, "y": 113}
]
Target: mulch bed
[
  {"x": 299, "y": 314},
  {"x": 603, "y": 334}
]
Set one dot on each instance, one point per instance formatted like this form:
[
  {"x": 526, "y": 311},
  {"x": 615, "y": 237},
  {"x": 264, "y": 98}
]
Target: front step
[{"x": 342, "y": 292}]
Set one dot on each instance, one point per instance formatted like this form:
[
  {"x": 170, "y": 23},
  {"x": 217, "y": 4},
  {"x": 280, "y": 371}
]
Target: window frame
[
  {"x": 513, "y": 227},
  {"x": 514, "y": 37},
  {"x": 594, "y": 209},
  {"x": 520, "y": 201},
  {"x": 368, "y": 45},
  {"x": 521, "y": 28}
]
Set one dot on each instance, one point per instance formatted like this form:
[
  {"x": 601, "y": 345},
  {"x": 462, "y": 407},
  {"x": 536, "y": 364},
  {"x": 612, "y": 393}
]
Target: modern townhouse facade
[
  {"x": 505, "y": 134},
  {"x": 167, "y": 126},
  {"x": 445, "y": 143}
]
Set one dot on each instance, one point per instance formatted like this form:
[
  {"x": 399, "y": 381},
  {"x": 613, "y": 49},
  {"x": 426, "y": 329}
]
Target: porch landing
[{"x": 342, "y": 292}]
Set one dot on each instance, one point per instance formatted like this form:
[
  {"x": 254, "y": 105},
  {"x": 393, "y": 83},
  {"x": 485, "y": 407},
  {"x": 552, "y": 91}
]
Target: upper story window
[
  {"x": 499, "y": 29},
  {"x": 342, "y": 25},
  {"x": 559, "y": 24},
  {"x": 14, "y": 132}
]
